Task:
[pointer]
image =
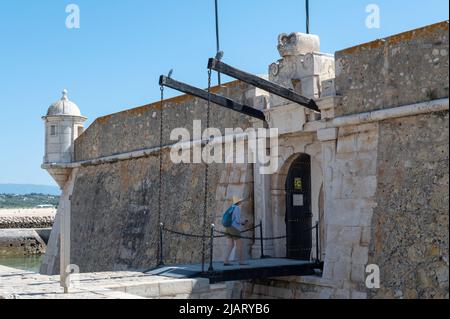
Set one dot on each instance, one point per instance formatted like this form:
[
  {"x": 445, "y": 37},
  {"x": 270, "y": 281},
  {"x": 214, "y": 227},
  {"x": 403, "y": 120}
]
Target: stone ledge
[
  {"x": 183, "y": 286},
  {"x": 19, "y": 284},
  {"x": 328, "y": 105},
  {"x": 329, "y": 134},
  {"x": 311, "y": 280}
]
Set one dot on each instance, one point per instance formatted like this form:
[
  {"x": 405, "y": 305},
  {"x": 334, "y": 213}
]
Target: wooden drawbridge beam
[
  {"x": 214, "y": 98},
  {"x": 263, "y": 84}
]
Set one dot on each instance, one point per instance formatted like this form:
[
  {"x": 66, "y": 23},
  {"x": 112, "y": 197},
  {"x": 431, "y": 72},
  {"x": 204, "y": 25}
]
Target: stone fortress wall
[
  {"x": 380, "y": 154},
  {"x": 114, "y": 206},
  {"x": 385, "y": 173},
  {"x": 403, "y": 69},
  {"x": 409, "y": 225}
]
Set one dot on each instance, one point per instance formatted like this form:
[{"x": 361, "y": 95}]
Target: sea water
[{"x": 27, "y": 263}]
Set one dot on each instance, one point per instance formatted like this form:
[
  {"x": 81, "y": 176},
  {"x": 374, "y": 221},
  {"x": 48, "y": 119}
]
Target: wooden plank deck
[{"x": 256, "y": 269}]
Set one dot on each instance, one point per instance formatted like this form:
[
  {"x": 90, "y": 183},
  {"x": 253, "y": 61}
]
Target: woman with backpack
[{"x": 232, "y": 222}]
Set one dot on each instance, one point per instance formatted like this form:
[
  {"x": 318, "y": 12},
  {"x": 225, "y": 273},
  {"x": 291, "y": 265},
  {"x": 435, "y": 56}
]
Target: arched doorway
[{"x": 298, "y": 209}]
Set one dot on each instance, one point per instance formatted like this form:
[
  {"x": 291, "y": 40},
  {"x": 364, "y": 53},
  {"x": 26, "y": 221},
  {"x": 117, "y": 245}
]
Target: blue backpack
[{"x": 227, "y": 218}]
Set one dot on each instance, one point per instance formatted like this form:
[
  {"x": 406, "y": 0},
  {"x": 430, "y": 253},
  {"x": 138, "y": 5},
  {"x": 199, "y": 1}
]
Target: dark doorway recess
[{"x": 298, "y": 209}]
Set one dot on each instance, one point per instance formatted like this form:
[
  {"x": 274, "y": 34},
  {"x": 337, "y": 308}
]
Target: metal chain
[
  {"x": 203, "y": 236},
  {"x": 253, "y": 238},
  {"x": 171, "y": 231},
  {"x": 250, "y": 229},
  {"x": 205, "y": 202},
  {"x": 264, "y": 238},
  {"x": 161, "y": 122}
]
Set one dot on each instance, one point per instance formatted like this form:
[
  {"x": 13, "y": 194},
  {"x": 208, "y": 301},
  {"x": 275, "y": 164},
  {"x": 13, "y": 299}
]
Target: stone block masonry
[
  {"x": 407, "y": 68},
  {"x": 351, "y": 200},
  {"x": 410, "y": 226}
]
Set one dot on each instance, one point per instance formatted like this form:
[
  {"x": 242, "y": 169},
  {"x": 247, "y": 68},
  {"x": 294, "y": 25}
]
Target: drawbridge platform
[{"x": 256, "y": 269}]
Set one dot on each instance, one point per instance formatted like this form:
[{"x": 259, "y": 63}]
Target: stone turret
[
  {"x": 63, "y": 124},
  {"x": 304, "y": 69},
  {"x": 302, "y": 66}
]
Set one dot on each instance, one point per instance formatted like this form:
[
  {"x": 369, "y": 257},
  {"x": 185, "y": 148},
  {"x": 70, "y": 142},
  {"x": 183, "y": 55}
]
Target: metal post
[
  {"x": 307, "y": 16},
  {"x": 217, "y": 37},
  {"x": 161, "y": 256},
  {"x": 317, "y": 242},
  {"x": 261, "y": 239},
  {"x": 211, "y": 249}
]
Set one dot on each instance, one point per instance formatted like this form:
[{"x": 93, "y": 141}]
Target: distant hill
[
  {"x": 24, "y": 189},
  {"x": 10, "y": 201}
]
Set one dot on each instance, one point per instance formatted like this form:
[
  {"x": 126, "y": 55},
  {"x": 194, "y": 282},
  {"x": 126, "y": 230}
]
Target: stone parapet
[{"x": 407, "y": 68}]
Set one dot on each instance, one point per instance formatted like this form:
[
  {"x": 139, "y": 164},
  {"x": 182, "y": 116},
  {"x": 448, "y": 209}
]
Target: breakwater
[{"x": 25, "y": 232}]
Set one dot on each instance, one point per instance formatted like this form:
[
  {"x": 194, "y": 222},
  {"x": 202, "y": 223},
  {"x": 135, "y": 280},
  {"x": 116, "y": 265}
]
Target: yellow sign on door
[{"x": 298, "y": 184}]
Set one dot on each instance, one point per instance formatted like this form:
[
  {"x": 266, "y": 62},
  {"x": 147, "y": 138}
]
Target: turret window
[{"x": 52, "y": 130}]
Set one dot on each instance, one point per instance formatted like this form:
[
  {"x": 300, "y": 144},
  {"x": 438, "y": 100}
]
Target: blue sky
[{"x": 113, "y": 61}]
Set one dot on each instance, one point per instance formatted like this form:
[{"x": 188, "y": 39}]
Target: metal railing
[{"x": 214, "y": 233}]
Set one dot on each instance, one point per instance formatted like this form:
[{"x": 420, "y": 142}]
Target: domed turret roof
[{"x": 63, "y": 107}]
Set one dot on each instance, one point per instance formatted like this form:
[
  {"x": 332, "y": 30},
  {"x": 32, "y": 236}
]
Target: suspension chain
[
  {"x": 161, "y": 122},
  {"x": 205, "y": 203}
]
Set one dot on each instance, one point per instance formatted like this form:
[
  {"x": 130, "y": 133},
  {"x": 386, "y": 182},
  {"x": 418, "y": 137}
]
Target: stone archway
[{"x": 278, "y": 197}]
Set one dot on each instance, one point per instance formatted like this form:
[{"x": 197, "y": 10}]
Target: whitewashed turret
[
  {"x": 63, "y": 124},
  {"x": 304, "y": 69}
]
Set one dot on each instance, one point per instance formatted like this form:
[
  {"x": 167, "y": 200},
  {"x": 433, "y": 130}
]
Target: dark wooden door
[{"x": 298, "y": 209}]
